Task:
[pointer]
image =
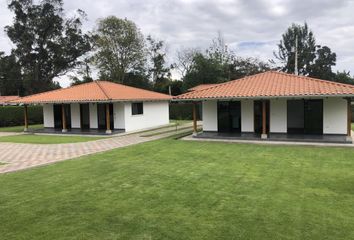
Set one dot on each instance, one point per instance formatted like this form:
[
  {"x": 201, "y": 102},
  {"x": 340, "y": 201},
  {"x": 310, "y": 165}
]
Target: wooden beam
[
  {"x": 194, "y": 118},
  {"x": 108, "y": 120},
  {"x": 349, "y": 120},
  {"x": 264, "y": 119},
  {"x": 63, "y": 118},
  {"x": 26, "y": 118}
]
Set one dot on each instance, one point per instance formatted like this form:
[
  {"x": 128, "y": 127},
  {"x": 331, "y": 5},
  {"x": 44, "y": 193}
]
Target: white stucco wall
[
  {"x": 247, "y": 116},
  {"x": 75, "y": 115},
  {"x": 93, "y": 115},
  {"x": 210, "y": 115},
  {"x": 48, "y": 115},
  {"x": 278, "y": 116},
  {"x": 155, "y": 114},
  {"x": 334, "y": 116},
  {"x": 118, "y": 114}
]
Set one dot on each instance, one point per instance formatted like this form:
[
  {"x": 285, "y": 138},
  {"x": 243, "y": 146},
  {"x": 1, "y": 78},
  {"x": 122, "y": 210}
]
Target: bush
[
  {"x": 14, "y": 115},
  {"x": 183, "y": 111}
]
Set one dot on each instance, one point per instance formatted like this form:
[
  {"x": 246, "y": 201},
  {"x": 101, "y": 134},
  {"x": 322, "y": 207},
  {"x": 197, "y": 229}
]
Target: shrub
[
  {"x": 14, "y": 115},
  {"x": 183, "y": 111}
]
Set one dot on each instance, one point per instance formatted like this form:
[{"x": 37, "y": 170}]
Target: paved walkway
[{"x": 18, "y": 156}]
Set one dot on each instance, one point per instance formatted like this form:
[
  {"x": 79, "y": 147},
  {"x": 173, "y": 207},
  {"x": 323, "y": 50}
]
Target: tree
[
  {"x": 204, "y": 70},
  {"x": 185, "y": 60},
  {"x": 158, "y": 70},
  {"x": 322, "y": 65},
  {"x": 10, "y": 76},
  {"x": 313, "y": 60},
  {"x": 84, "y": 73},
  {"x": 120, "y": 49},
  {"x": 48, "y": 45},
  {"x": 306, "y": 49},
  {"x": 241, "y": 67},
  {"x": 344, "y": 77}
]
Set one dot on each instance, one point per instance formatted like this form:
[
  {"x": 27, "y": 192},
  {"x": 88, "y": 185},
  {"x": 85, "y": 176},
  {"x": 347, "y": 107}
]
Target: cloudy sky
[{"x": 250, "y": 27}]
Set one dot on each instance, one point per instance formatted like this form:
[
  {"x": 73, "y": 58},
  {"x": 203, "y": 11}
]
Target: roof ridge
[
  {"x": 104, "y": 92},
  {"x": 131, "y": 87},
  {"x": 316, "y": 79},
  {"x": 228, "y": 82},
  {"x": 58, "y": 90}
]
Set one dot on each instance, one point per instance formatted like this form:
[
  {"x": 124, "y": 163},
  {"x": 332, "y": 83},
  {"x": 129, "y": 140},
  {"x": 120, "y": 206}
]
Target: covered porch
[
  {"x": 325, "y": 120},
  {"x": 95, "y": 118}
]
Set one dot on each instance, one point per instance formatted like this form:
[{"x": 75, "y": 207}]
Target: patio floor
[
  {"x": 276, "y": 137},
  {"x": 96, "y": 132}
]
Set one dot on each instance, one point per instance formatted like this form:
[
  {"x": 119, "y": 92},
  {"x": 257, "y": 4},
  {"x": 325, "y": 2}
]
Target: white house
[
  {"x": 100, "y": 106},
  {"x": 274, "y": 105}
]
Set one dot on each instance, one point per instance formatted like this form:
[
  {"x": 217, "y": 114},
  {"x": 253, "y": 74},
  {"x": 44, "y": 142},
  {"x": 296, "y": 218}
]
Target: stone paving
[{"x": 17, "y": 156}]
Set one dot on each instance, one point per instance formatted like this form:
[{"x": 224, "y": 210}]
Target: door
[
  {"x": 85, "y": 116},
  {"x": 58, "y": 123},
  {"x": 229, "y": 116},
  {"x": 313, "y": 120},
  {"x": 101, "y": 114}
]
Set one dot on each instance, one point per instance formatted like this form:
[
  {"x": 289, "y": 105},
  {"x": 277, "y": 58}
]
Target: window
[{"x": 137, "y": 108}]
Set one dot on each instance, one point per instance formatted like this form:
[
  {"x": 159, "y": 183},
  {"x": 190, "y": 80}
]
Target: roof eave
[{"x": 264, "y": 97}]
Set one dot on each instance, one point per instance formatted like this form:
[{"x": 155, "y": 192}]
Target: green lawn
[
  {"x": 20, "y": 128},
  {"x": 46, "y": 139},
  {"x": 171, "y": 189},
  {"x": 353, "y": 126}
]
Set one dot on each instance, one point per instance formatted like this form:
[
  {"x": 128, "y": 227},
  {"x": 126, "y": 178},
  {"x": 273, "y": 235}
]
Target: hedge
[
  {"x": 14, "y": 115},
  {"x": 183, "y": 111}
]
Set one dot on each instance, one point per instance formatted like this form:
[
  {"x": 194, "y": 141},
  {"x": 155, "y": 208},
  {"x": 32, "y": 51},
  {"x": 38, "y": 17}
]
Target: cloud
[{"x": 250, "y": 27}]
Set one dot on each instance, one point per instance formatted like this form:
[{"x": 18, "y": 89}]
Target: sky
[{"x": 250, "y": 28}]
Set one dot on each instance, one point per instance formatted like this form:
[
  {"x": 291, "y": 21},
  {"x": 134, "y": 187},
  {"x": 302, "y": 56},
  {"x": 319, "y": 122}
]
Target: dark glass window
[{"x": 137, "y": 108}]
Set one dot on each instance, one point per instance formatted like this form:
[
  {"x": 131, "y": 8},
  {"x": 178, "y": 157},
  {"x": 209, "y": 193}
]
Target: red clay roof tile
[
  {"x": 270, "y": 84},
  {"x": 96, "y": 91}
]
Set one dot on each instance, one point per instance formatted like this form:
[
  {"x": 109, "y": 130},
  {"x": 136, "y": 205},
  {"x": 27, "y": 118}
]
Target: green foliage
[
  {"x": 218, "y": 64},
  {"x": 183, "y": 111},
  {"x": 10, "y": 75},
  {"x": 178, "y": 190},
  {"x": 119, "y": 49},
  {"x": 14, "y": 115},
  {"x": 313, "y": 60},
  {"x": 344, "y": 77},
  {"x": 158, "y": 70},
  {"x": 47, "y": 44}
]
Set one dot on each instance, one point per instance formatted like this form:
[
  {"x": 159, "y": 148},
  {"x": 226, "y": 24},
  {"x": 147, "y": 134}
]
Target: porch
[{"x": 323, "y": 120}]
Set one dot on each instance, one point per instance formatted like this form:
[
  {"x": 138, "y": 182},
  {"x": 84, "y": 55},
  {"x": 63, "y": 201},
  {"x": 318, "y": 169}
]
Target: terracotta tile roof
[
  {"x": 271, "y": 84},
  {"x": 201, "y": 86},
  {"x": 5, "y": 99},
  {"x": 96, "y": 91}
]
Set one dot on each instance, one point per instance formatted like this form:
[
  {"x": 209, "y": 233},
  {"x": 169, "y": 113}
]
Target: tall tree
[
  {"x": 48, "y": 45},
  {"x": 313, "y": 60},
  {"x": 158, "y": 70},
  {"x": 120, "y": 49},
  {"x": 10, "y": 76},
  {"x": 306, "y": 49}
]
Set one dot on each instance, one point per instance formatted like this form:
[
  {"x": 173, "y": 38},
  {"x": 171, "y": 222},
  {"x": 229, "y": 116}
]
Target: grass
[
  {"x": 353, "y": 126},
  {"x": 20, "y": 128},
  {"x": 46, "y": 139},
  {"x": 170, "y": 189}
]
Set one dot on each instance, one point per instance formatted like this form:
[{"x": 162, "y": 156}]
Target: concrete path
[{"x": 18, "y": 156}]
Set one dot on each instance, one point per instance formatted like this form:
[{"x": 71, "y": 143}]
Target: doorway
[
  {"x": 305, "y": 116},
  {"x": 229, "y": 116},
  {"x": 85, "y": 116},
  {"x": 58, "y": 121},
  {"x": 101, "y": 116},
  {"x": 258, "y": 116}
]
